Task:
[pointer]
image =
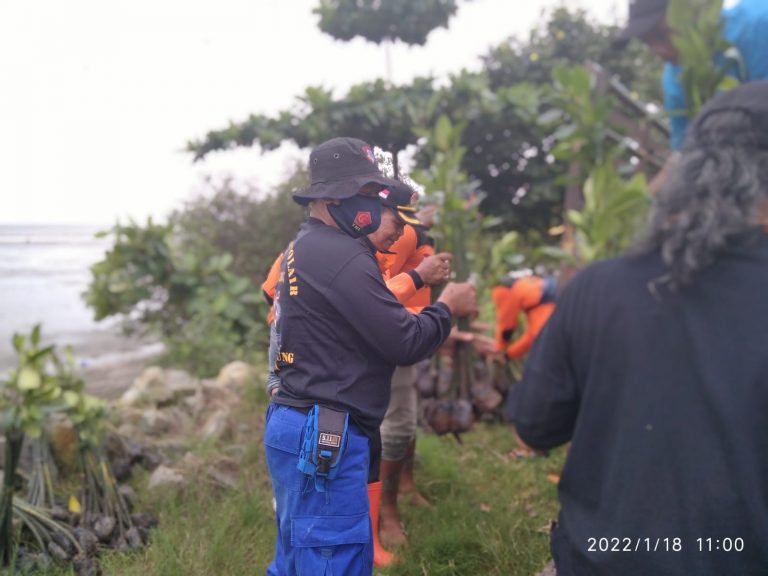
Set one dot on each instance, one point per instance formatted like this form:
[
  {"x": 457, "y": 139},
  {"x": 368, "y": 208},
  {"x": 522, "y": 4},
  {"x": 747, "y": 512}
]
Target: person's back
[
  {"x": 671, "y": 441},
  {"x": 655, "y": 367}
]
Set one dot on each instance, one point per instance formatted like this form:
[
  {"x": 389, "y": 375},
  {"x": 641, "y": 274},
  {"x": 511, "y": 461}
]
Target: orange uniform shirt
[
  {"x": 407, "y": 253},
  {"x": 524, "y": 296}
]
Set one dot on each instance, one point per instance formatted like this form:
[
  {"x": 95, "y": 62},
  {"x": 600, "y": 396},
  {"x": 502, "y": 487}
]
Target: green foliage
[
  {"x": 410, "y": 21},
  {"x": 506, "y": 149},
  {"x": 86, "y": 412},
  {"x": 456, "y": 196},
  {"x": 138, "y": 269},
  {"x": 27, "y": 398},
  {"x": 246, "y": 224},
  {"x": 379, "y": 114},
  {"x": 612, "y": 211},
  {"x": 32, "y": 391},
  {"x": 707, "y": 60},
  {"x": 195, "y": 281},
  {"x": 613, "y": 204}
]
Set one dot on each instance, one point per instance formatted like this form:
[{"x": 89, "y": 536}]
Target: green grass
[{"x": 491, "y": 515}]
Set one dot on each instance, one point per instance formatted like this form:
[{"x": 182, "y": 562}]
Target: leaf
[
  {"x": 71, "y": 398},
  {"x": 29, "y": 379},
  {"x": 442, "y": 134},
  {"x": 18, "y": 342},
  {"x": 74, "y": 505},
  {"x": 35, "y": 336},
  {"x": 551, "y": 116}
]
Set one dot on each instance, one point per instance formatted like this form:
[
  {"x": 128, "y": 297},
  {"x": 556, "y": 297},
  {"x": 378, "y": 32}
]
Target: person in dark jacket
[
  {"x": 655, "y": 367},
  {"x": 341, "y": 335}
]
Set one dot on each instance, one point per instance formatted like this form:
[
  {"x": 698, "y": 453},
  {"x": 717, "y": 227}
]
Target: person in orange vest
[
  {"x": 531, "y": 295},
  {"x": 407, "y": 285},
  {"x": 398, "y": 430}
]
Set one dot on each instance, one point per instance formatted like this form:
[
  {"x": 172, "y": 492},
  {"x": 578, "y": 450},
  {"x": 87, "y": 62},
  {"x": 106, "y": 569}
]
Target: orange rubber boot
[{"x": 381, "y": 557}]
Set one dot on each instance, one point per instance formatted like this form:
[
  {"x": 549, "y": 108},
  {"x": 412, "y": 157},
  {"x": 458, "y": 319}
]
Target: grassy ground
[{"x": 491, "y": 514}]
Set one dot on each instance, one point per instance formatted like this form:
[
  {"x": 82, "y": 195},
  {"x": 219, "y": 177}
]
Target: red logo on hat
[
  {"x": 384, "y": 194},
  {"x": 362, "y": 220},
  {"x": 369, "y": 154}
]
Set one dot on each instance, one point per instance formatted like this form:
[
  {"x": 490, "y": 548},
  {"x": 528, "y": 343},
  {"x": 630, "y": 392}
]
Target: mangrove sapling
[
  {"x": 54, "y": 537},
  {"x": 103, "y": 506},
  {"x": 26, "y": 399},
  {"x": 40, "y": 491},
  {"x": 457, "y": 219}
]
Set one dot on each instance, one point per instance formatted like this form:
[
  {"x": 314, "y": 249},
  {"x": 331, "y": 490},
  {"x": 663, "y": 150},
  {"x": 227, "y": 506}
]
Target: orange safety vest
[
  {"x": 525, "y": 296},
  {"x": 406, "y": 254}
]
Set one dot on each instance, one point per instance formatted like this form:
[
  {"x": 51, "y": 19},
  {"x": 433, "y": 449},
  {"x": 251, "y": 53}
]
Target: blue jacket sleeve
[
  {"x": 359, "y": 294},
  {"x": 675, "y": 104}
]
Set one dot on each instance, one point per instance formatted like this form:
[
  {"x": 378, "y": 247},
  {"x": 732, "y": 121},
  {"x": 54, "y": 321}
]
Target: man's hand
[
  {"x": 484, "y": 345},
  {"x": 435, "y": 269},
  {"x": 461, "y": 299}
]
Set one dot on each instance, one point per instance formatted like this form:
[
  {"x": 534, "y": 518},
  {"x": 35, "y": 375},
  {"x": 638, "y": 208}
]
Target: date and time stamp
[{"x": 618, "y": 544}]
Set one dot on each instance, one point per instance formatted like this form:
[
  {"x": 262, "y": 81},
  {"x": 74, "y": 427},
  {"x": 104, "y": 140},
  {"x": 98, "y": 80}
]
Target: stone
[
  {"x": 215, "y": 396},
  {"x": 165, "y": 476},
  {"x": 181, "y": 384},
  {"x": 217, "y": 426},
  {"x": 156, "y": 387},
  {"x": 237, "y": 376},
  {"x": 225, "y": 472},
  {"x": 155, "y": 422}
]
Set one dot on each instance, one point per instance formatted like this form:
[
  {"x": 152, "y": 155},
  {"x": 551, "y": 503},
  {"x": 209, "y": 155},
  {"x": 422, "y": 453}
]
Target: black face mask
[{"x": 357, "y": 216}]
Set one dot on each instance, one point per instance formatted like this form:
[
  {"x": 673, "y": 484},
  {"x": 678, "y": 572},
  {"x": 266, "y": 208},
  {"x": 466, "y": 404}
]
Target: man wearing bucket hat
[
  {"x": 654, "y": 367},
  {"x": 745, "y": 26},
  {"x": 342, "y": 333},
  {"x": 395, "y": 229}
]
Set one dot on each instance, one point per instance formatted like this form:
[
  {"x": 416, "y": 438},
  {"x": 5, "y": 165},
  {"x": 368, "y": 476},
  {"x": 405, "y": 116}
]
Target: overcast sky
[{"x": 99, "y": 97}]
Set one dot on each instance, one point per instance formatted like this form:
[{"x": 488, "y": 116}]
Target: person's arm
[
  {"x": 431, "y": 271},
  {"x": 675, "y": 104},
  {"x": 522, "y": 345},
  {"x": 404, "y": 286},
  {"x": 269, "y": 286},
  {"x": 359, "y": 294},
  {"x": 544, "y": 405}
]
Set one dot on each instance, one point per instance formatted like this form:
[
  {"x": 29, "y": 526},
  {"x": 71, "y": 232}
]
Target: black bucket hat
[
  {"x": 339, "y": 168},
  {"x": 402, "y": 199},
  {"x": 752, "y": 100},
  {"x": 644, "y": 16}
]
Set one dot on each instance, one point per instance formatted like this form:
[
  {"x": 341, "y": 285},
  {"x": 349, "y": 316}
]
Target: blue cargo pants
[{"x": 318, "y": 533}]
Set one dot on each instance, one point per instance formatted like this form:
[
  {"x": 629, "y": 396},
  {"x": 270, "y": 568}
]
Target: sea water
[{"x": 44, "y": 271}]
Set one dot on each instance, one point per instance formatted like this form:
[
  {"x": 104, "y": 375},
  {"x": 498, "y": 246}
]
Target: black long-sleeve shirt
[
  {"x": 665, "y": 400},
  {"x": 342, "y": 332}
]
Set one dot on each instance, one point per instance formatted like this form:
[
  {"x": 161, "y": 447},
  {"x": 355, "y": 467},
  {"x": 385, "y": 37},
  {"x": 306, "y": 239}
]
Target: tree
[
  {"x": 506, "y": 148},
  {"x": 378, "y": 21},
  {"x": 194, "y": 282}
]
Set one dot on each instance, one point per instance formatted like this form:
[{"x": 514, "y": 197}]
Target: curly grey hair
[{"x": 712, "y": 198}]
